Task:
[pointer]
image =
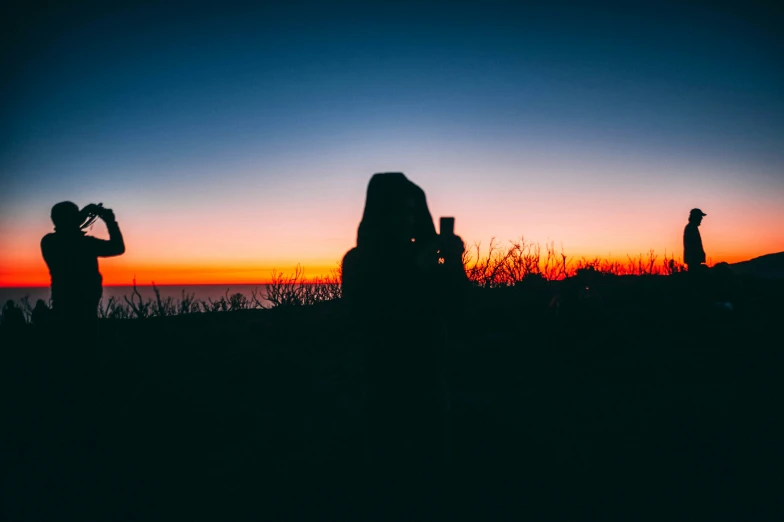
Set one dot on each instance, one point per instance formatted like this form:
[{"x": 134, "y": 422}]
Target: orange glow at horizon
[
  {"x": 314, "y": 225},
  {"x": 37, "y": 275},
  {"x": 30, "y": 270},
  {"x": 115, "y": 274}
]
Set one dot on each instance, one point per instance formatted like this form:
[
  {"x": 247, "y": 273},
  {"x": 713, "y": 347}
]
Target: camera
[{"x": 90, "y": 213}]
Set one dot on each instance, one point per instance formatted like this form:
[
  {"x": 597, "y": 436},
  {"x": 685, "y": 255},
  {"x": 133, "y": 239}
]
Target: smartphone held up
[{"x": 447, "y": 226}]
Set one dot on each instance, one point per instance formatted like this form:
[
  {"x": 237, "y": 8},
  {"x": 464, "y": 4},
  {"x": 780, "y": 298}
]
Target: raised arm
[{"x": 115, "y": 245}]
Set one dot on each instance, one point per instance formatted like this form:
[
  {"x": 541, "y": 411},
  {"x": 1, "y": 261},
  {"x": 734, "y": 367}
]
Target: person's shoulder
[
  {"x": 48, "y": 238},
  {"x": 351, "y": 257},
  {"x": 351, "y": 262}
]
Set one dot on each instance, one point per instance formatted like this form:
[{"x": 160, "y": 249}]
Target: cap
[{"x": 697, "y": 212}]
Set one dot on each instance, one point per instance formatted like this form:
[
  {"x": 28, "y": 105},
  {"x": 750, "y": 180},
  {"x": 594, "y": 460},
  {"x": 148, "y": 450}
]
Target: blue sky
[{"x": 189, "y": 112}]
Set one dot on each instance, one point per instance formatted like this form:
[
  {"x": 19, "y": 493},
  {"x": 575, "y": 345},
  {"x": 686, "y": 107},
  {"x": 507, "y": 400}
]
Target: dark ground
[{"x": 616, "y": 407}]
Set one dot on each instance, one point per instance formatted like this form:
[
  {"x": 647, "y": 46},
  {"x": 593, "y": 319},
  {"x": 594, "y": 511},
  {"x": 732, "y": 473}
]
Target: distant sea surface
[{"x": 199, "y": 291}]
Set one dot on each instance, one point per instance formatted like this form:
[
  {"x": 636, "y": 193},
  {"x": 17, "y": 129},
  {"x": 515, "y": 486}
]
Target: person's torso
[
  {"x": 397, "y": 309},
  {"x": 73, "y": 266},
  {"x": 692, "y": 244}
]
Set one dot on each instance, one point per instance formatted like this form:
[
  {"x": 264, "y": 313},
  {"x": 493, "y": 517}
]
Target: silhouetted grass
[
  {"x": 497, "y": 266},
  {"x": 622, "y": 395},
  {"x": 506, "y": 265},
  {"x": 631, "y": 403}
]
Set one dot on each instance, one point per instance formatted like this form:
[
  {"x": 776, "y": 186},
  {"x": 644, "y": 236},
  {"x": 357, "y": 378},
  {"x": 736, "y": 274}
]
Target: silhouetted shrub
[
  {"x": 296, "y": 290},
  {"x": 510, "y": 265},
  {"x": 523, "y": 264}
]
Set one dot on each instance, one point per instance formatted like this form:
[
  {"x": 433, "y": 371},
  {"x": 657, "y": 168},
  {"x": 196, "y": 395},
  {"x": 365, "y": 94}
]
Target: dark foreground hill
[
  {"x": 612, "y": 406},
  {"x": 768, "y": 266}
]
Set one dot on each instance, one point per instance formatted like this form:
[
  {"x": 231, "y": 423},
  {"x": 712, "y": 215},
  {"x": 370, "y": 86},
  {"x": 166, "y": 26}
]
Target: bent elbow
[{"x": 117, "y": 249}]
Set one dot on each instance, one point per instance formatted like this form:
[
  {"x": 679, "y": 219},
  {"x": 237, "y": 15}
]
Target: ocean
[{"x": 175, "y": 291}]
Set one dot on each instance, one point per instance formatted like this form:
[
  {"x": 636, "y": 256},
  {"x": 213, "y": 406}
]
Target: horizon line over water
[
  {"x": 202, "y": 292},
  {"x": 150, "y": 285}
]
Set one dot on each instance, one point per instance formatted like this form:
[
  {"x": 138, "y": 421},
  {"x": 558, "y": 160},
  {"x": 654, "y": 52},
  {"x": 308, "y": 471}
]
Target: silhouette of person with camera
[
  {"x": 72, "y": 258},
  {"x": 403, "y": 285},
  {"x": 693, "y": 252}
]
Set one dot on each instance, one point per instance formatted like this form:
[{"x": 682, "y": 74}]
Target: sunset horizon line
[{"x": 320, "y": 272}]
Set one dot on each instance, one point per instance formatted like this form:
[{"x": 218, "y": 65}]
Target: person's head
[
  {"x": 10, "y": 304},
  {"x": 40, "y": 303},
  {"x": 696, "y": 215},
  {"x": 395, "y": 214},
  {"x": 66, "y": 216}
]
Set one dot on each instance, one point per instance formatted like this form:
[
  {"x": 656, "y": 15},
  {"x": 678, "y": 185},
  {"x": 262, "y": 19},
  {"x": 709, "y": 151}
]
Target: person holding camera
[
  {"x": 403, "y": 286},
  {"x": 72, "y": 258}
]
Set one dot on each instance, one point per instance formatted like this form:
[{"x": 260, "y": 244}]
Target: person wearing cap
[
  {"x": 693, "y": 252},
  {"x": 72, "y": 258}
]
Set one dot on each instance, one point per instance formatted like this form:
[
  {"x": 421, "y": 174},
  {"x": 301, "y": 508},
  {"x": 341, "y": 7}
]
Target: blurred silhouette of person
[
  {"x": 403, "y": 284},
  {"x": 693, "y": 252},
  {"x": 72, "y": 258},
  {"x": 12, "y": 316},
  {"x": 41, "y": 313}
]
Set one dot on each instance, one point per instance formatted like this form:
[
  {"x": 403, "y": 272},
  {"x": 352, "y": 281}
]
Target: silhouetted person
[
  {"x": 41, "y": 314},
  {"x": 12, "y": 317},
  {"x": 402, "y": 297},
  {"x": 693, "y": 252},
  {"x": 72, "y": 258}
]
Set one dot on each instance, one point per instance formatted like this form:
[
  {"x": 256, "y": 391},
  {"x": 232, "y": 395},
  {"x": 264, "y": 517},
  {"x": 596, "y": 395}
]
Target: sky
[{"x": 231, "y": 141}]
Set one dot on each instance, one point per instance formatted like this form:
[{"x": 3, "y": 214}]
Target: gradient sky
[{"x": 231, "y": 141}]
